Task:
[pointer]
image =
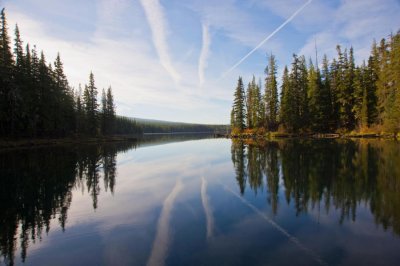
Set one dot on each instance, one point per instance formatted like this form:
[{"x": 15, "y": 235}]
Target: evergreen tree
[
  {"x": 103, "y": 113},
  {"x": 392, "y": 107},
  {"x": 110, "y": 112},
  {"x": 298, "y": 89},
  {"x": 326, "y": 98},
  {"x": 371, "y": 78},
  {"x": 249, "y": 106},
  {"x": 91, "y": 106},
  {"x": 8, "y": 94},
  {"x": 80, "y": 112},
  {"x": 287, "y": 100},
  {"x": 271, "y": 94},
  {"x": 239, "y": 106},
  {"x": 360, "y": 107},
  {"x": 316, "y": 99}
]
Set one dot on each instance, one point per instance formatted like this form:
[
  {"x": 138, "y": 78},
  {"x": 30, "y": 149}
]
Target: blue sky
[{"x": 166, "y": 59}]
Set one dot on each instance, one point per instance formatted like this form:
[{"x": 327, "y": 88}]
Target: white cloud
[
  {"x": 355, "y": 23},
  {"x": 158, "y": 25},
  {"x": 204, "y": 54}
]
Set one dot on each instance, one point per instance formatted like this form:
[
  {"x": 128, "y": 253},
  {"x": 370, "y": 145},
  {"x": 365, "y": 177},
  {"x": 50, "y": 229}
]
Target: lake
[{"x": 194, "y": 200}]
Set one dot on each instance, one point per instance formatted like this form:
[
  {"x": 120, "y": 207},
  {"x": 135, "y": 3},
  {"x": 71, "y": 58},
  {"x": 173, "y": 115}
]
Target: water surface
[{"x": 189, "y": 200}]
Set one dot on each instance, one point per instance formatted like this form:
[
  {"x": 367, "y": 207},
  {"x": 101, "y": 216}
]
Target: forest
[
  {"x": 338, "y": 96},
  {"x": 36, "y": 100}
]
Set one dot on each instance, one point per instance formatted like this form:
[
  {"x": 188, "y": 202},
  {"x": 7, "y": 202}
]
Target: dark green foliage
[
  {"x": 299, "y": 115},
  {"x": 125, "y": 126},
  {"x": 254, "y": 106},
  {"x": 37, "y": 101},
  {"x": 91, "y": 106},
  {"x": 157, "y": 126},
  {"x": 287, "y": 97},
  {"x": 271, "y": 94},
  {"x": 341, "y": 97},
  {"x": 239, "y": 107}
]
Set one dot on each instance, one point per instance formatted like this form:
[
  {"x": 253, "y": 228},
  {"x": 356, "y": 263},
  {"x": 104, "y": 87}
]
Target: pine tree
[
  {"x": 287, "y": 107},
  {"x": 110, "y": 111},
  {"x": 80, "y": 112},
  {"x": 371, "y": 78},
  {"x": 392, "y": 69},
  {"x": 271, "y": 94},
  {"x": 298, "y": 91},
  {"x": 238, "y": 106},
  {"x": 8, "y": 94},
  {"x": 326, "y": 98},
  {"x": 91, "y": 106},
  {"x": 103, "y": 113},
  {"x": 316, "y": 100},
  {"x": 249, "y": 106},
  {"x": 360, "y": 107}
]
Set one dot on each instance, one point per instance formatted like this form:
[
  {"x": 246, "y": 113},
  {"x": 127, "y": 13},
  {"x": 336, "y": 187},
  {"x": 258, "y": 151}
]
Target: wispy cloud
[
  {"x": 266, "y": 39},
  {"x": 156, "y": 19},
  {"x": 205, "y": 52},
  {"x": 355, "y": 23}
]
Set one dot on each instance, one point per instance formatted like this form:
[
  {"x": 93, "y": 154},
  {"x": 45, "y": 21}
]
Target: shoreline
[
  {"x": 277, "y": 135},
  {"x": 37, "y": 142}
]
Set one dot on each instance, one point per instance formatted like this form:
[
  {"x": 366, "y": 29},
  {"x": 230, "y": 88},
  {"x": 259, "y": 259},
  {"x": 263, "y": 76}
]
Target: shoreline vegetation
[
  {"x": 336, "y": 98},
  {"x": 279, "y": 135}
]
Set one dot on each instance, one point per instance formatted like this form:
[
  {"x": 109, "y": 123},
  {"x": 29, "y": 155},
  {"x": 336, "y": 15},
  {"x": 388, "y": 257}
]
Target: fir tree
[
  {"x": 8, "y": 94},
  {"x": 271, "y": 94},
  {"x": 239, "y": 106},
  {"x": 91, "y": 106}
]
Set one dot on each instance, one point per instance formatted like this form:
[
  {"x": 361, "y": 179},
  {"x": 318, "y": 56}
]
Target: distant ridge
[{"x": 162, "y": 126}]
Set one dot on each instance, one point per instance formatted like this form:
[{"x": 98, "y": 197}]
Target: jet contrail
[
  {"x": 293, "y": 239},
  {"x": 207, "y": 208},
  {"x": 161, "y": 242},
  {"x": 266, "y": 39}
]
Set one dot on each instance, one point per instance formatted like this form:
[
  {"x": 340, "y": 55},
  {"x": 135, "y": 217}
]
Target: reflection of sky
[{"x": 123, "y": 228}]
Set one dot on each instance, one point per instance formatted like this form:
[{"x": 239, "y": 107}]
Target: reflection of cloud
[
  {"x": 155, "y": 17},
  {"x": 161, "y": 242},
  {"x": 207, "y": 208},
  {"x": 205, "y": 51}
]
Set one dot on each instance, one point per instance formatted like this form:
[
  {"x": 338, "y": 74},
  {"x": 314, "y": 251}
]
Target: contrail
[
  {"x": 161, "y": 242},
  {"x": 293, "y": 239},
  {"x": 266, "y": 39},
  {"x": 207, "y": 208},
  {"x": 205, "y": 52}
]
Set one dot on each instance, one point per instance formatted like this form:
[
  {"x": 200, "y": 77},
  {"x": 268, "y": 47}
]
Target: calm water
[{"x": 197, "y": 201}]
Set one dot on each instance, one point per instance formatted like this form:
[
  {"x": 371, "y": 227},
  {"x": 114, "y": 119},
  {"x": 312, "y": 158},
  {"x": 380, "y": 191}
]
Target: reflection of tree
[
  {"x": 238, "y": 159},
  {"x": 36, "y": 187},
  {"x": 254, "y": 167},
  {"x": 272, "y": 173},
  {"x": 335, "y": 174}
]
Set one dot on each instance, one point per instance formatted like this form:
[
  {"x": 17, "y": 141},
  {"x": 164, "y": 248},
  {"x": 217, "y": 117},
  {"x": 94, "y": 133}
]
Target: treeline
[
  {"x": 155, "y": 126},
  {"x": 338, "y": 97},
  {"x": 36, "y": 99}
]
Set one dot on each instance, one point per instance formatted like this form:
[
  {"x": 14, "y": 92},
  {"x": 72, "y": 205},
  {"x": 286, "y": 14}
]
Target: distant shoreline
[{"x": 277, "y": 135}]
